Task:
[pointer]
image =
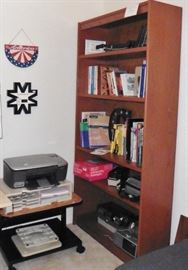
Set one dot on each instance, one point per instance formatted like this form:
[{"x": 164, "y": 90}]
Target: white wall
[{"x": 52, "y": 25}]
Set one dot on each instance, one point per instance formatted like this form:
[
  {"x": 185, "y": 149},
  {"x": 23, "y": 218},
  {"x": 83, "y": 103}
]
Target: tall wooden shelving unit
[{"x": 158, "y": 108}]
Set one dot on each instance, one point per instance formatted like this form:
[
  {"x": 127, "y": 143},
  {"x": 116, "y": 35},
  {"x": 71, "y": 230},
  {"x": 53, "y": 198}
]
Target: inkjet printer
[{"x": 34, "y": 171}]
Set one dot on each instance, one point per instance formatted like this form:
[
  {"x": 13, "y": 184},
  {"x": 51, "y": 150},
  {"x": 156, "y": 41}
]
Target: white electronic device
[{"x": 35, "y": 239}]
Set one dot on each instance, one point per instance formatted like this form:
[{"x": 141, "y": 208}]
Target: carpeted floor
[{"x": 96, "y": 257}]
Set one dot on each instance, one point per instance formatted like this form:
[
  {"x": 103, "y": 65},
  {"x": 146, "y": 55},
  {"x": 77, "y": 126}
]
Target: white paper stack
[{"x": 53, "y": 194}]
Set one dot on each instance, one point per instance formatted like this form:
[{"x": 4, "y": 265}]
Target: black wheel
[
  {"x": 80, "y": 249},
  {"x": 11, "y": 268}
]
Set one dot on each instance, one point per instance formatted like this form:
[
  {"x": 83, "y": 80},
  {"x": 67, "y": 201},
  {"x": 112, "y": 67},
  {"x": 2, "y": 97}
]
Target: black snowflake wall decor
[{"x": 22, "y": 97}]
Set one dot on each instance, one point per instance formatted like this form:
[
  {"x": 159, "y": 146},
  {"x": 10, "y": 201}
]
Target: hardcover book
[
  {"x": 103, "y": 80},
  {"x": 98, "y": 131},
  {"x": 128, "y": 82},
  {"x": 138, "y": 70}
]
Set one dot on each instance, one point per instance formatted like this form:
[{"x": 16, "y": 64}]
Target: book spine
[
  {"x": 95, "y": 90},
  {"x": 142, "y": 80},
  {"x": 92, "y": 79},
  {"x": 114, "y": 85},
  {"x": 89, "y": 79},
  {"x": 109, "y": 80},
  {"x": 84, "y": 135},
  {"x": 124, "y": 85},
  {"x": 103, "y": 84},
  {"x": 140, "y": 133}
]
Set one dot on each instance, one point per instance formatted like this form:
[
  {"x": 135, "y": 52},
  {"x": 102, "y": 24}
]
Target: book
[
  {"x": 110, "y": 84},
  {"x": 138, "y": 70},
  {"x": 93, "y": 80},
  {"x": 145, "y": 39},
  {"x": 140, "y": 140},
  {"x": 131, "y": 123},
  {"x": 141, "y": 36},
  {"x": 119, "y": 139},
  {"x": 96, "y": 86},
  {"x": 103, "y": 81},
  {"x": 98, "y": 131},
  {"x": 90, "y": 86},
  {"x": 128, "y": 83},
  {"x": 90, "y": 80},
  {"x": 142, "y": 85},
  {"x": 114, "y": 84},
  {"x": 84, "y": 134},
  {"x": 135, "y": 142},
  {"x": 119, "y": 81}
]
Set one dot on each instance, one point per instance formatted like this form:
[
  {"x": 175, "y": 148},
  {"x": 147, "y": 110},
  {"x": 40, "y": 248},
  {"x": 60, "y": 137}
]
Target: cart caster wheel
[
  {"x": 80, "y": 249},
  {"x": 12, "y": 268}
]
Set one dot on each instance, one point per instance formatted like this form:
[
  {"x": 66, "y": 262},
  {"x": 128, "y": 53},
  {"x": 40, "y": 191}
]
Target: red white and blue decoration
[
  {"x": 21, "y": 55},
  {"x": 22, "y": 97}
]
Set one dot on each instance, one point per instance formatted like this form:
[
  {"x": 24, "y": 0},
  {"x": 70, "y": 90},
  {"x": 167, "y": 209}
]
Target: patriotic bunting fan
[{"x": 21, "y": 55}]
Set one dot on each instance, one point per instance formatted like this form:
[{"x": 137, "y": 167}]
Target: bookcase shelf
[
  {"x": 131, "y": 52},
  {"x": 88, "y": 222},
  {"x": 119, "y": 160},
  {"x": 113, "y": 192},
  {"x": 117, "y": 98},
  {"x": 158, "y": 108}
]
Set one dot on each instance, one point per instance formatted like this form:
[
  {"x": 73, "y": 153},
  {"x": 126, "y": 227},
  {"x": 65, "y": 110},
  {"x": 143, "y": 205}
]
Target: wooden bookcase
[{"x": 158, "y": 108}]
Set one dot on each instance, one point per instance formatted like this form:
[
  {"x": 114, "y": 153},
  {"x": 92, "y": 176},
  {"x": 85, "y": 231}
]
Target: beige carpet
[{"x": 96, "y": 257}]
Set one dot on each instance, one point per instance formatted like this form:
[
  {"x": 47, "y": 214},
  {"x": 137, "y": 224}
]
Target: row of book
[
  {"x": 109, "y": 80},
  {"x": 127, "y": 138}
]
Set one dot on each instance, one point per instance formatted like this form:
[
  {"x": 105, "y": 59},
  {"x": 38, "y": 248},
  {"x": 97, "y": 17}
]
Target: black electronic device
[
  {"x": 114, "y": 217},
  {"x": 117, "y": 46},
  {"x": 34, "y": 170},
  {"x": 116, "y": 175},
  {"x": 130, "y": 188}
]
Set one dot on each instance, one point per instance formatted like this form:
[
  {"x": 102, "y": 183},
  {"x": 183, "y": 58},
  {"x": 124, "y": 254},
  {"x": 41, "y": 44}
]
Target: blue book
[
  {"x": 84, "y": 134},
  {"x": 92, "y": 79},
  {"x": 142, "y": 80}
]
